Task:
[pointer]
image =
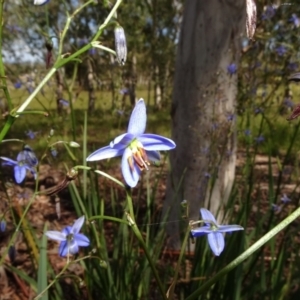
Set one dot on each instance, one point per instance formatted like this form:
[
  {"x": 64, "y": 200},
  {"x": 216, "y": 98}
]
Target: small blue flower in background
[
  {"x": 231, "y": 69},
  {"x": 2, "y": 225},
  {"x": 213, "y": 231},
  {"x": 53, "y": 152},
  {"x": 294, "y": 19},
  {"x": 64, "y": 102},
  {"x": 135, "y": 146},
  {"x": 258, "y": 110},
  {"x": 207, "y": 175},
  {"x": 26, "y": 160},
  {"x": 92, "y": 51},
  {"x": 247, "y": 132},
  {"x": 230, "y": 117},
  {"x": 293, "y": 66},
  {"x": 124, "y": 91},
  {"x": 70, "y": 239},
  {"x": 31, "y": 134},
  {"x": 285, "y": 199},
  {"x": 40, "y": 2},
  {"x": 276, "y": 207},
  {"x": 288, "y": 102},
  {"x": 18, "y": 84},
  {"x": 280, "y": 50},
  {"x": 259, "y": 139},
  {"x": 269, "y": 12}
]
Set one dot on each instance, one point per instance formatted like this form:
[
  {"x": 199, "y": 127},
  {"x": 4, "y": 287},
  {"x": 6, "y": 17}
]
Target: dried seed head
[
  {"x": 251, "y": 18},
  {"x": 120, "y": 44}
]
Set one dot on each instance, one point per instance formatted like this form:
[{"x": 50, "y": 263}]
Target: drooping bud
[
  {"x": 120, "y": 45},
  {"x": 40, "y": 2},
  {"x": 251, "y": 18}
]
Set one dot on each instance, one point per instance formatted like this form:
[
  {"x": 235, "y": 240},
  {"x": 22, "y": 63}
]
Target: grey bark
[{"x": 204, "y": 96}]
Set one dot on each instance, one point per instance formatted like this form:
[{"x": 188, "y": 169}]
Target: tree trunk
[{"x": 203, "y": 122}]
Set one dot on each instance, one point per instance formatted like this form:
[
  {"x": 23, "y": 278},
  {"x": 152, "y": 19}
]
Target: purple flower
[
  {"x": 31, "y": 134},
  {"x": 288, "y": 102},
  {"x": 269, "y": 12},
  {"x": 258, "y": 110},
  {"x": 53, "y": 152},
  {"x": 259, "y": 139},
  {"x": 92, "y": 51},
  {"x": 2, "y": 225},
  {"x": 247, "y": 132},
  {"x": 281, "y": 50},
  {"x": 294, "y": 19},
  {"x": 64, "y": 102},
  {"x": 26, "y": 160},
  {"x": 18, "y": 84},
  {"x": 293, "y": 66},
  {"x": 231, "y": 69},
  {"x": 213, "y": 231},
  {"x": 135, "y": 146},
  {"x": 275, "y": 207},
  {"x": 124, "y": 91},
  {"x": 70, "y": 239},
  {"x": 230, "y": 117},
  {"x": 285, "y": 199}
]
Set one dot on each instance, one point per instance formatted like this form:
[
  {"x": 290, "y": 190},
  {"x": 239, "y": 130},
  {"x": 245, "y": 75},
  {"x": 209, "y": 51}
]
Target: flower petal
[
  {"x": 121, "y": 141},
  {"x": 200, "y": 231},
  {"x": 81, "y": 240},
  {"x": 9, "y": 162},
  {"x": 77, "y": 225},
  {"x": 73, "y": 247},
  {"x": 216, "y": 242},
  {"x": 67, "y": 230},
  {"x": 20, "y": 173},
  {"x": 40, "y": 2},
  {"x": 207, "y": 215},
  {"x": 229, "y": 228},
  {"x": 131, "y": 176},
  {"x": 156, "y": 142},
  {"x": 63, "y": 248},
  {"x": 56, "y": 235},
  {"x": 104, "y": 153},
  {"x": 153, "y": 155},
  {"x": 138, "y": 119}
]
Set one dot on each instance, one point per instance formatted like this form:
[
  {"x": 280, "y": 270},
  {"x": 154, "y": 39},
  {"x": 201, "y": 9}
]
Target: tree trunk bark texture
[{"x": 203, "y": 106}]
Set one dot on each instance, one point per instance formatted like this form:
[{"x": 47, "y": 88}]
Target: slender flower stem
[{"x": 246, "y": 254}]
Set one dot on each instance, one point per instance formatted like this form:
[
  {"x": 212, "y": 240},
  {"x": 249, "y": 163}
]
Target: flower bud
[
  {"x": 74, "y": 144},
  {"x": 120, "y": 45}
]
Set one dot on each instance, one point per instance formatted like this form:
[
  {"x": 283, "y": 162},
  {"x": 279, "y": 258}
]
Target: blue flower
[
  {"x": 281, "y": 50},
  {"x": 259, "y": 139},
  {"x": 247, "y": 132},
  {"x": 26, "y": 160},
  {"x": 294, "y": 19},
  {"x": 135, "y": 146},
  {"x": 269, "y": 12},
  {"x": 285, "y": 199},
  {"x": 70, "y": 239},
  {"x": 214, "y": 231},
  {"x": 31, "y": 134},
  {"x": 231, "y": 69},
  {"x": 2, "y": 225},
  {"x": 64, "y": 102},
  {"x": 18, "y": 84}
]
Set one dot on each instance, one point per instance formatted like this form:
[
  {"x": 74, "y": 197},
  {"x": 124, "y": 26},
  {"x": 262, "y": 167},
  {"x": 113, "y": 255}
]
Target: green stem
[
  {"x": 246, "y": 254},
  {"x": 35, "y": 92}
]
